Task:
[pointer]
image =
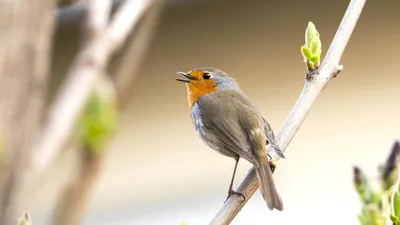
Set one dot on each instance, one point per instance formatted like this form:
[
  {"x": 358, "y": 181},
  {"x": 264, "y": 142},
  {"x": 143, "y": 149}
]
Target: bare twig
[
  {"x": 24, "y": 63},
  {"x": 309, "y": 94},
  {"x": 98, "y": 16},
  {"x": 137, "y": 47},
  {"x": 128, "y": 15},
  {"x": 80, "y": 79}
]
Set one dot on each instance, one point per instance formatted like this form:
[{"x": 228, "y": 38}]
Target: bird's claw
[
  {"x": 232, "y": 192},
  {"x": 272, "y": 165}
]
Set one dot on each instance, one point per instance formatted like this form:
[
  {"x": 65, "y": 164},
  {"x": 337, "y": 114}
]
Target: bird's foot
[
  {"x": 272, "y": 165},
  {"x": 232, "y": 192}
]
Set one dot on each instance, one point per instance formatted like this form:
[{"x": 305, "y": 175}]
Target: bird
[{"x": 228, "y": 121}]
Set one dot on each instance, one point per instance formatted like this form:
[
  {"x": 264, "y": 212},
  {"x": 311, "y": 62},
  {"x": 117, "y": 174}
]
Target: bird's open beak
[{"x": 189, "y": 78}]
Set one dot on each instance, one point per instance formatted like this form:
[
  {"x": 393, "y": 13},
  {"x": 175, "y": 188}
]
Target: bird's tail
[{"x": 267, "y": 187}]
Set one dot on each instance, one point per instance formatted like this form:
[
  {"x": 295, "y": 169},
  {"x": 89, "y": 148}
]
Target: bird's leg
[
  {"x": 231, "y": 191},
  {"x": 272, "y": 164}
]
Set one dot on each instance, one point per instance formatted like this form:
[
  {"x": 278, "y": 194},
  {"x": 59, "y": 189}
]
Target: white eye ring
[{"x": 207, "y": 76}]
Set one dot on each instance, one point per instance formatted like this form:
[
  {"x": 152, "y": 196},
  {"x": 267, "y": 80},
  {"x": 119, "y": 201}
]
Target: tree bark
[{"x": 25, "y": 35}]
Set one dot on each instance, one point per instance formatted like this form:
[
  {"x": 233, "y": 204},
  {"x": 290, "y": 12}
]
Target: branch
[
  {"x": 136, "y": 49},
  {"x": 98, "y": 15},
  {"x": 309, "y": 94},
  {"x": 75, "y": 198},
  {"x": 70, "y": 208},
  {"x": 91, "y": 60}
]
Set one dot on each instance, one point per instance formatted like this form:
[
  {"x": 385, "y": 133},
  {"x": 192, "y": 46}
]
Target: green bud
[
  {"x": 184, "y": 222},
  {"x": 316, "y": 46},
  {"x": 390, "y": 170},
  {"x": 306, "y": 52},
  {"x": 312, "y": 49},
  {"x": 361, "y": 185},
  {"x": 314, "y": 59},
  {"x": 390, "y": 179},
  {"x": 25, "y": 219},
  {"x": 311, "y": 32},
  {"x": 99, "y": 116}
]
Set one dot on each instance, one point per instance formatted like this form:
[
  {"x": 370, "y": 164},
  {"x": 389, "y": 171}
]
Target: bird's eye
[{"x": 206, "y": 76}]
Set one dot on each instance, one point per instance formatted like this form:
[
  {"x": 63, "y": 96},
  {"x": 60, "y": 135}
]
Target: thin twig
[
  {"x": 300, "y": 110},
  {"x": 134, "y": 55},
  {"x": 98, "y": 16},
  {"x": 130, "y": 13},
  {"x": 80, "y": 79}
]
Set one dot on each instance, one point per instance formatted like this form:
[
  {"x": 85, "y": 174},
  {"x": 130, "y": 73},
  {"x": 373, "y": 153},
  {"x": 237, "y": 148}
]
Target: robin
[{"x": 230, "y": 123}]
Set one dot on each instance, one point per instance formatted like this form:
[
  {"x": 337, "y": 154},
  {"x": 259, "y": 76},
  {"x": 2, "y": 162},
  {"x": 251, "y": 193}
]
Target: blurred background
[{"x": 157, "y": 171}]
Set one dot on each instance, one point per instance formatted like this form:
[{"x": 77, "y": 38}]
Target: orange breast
[{"x": 196, "y": 89}]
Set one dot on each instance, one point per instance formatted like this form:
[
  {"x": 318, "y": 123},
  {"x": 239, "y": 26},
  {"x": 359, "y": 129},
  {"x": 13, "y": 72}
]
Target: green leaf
[
  {"x": 395, "y": 219},
  {"x": 314, "y": 58},
  {"x": 361, "y": 184},
  {"x": 316, "y": 46},
  {"x": 311, "y": 32},
  {"x": 395, "y": 202},
  {"x": 390, "y": 171},
  {"x": 319, "y": 49},
  {"x": 306, "y": 52}
]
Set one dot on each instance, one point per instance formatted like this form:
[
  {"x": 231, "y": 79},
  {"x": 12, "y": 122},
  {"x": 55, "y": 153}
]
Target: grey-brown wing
[
  {"x": 219, "y": 114},
  {"x": 269, "y": 133},
  {"x": 270, "y": 136}
]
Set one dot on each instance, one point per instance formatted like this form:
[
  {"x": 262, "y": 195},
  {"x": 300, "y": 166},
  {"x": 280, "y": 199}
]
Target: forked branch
[{"x": 90, "y": 61}]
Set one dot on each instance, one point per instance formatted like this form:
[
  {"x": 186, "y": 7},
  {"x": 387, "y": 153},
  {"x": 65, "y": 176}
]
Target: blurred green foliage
[
  {"x": 98, "y": 120},
  {"x": 375, "y": 196}
]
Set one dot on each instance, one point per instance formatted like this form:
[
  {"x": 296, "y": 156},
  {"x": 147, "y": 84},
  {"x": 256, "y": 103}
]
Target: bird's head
[{"x": 201, "y": 81}]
